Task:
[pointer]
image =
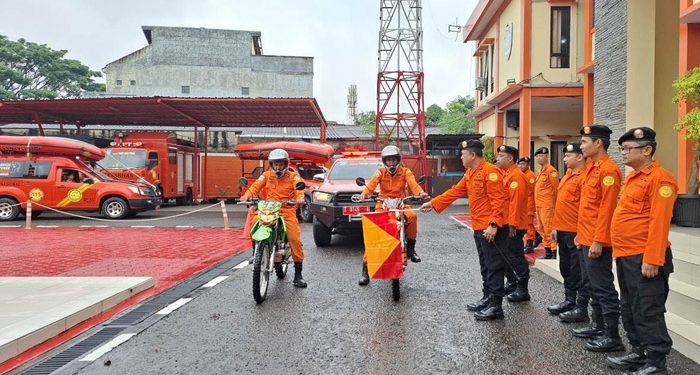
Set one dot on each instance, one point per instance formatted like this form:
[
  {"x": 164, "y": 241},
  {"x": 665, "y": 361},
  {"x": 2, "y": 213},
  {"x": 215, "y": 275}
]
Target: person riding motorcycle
[
  {"x": 392, "y": 179},
  {"x": 279, "y": 184}
]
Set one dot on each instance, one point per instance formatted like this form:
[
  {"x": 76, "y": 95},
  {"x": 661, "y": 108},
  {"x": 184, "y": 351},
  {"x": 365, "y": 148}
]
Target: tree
[
  {"x": 455, "y": 120},
  {"x": 688, "y": 91},
  {"x": 35, "y": 71},
  {"x": 367, "y": 120},
  {"x": 432, "y": 115}
]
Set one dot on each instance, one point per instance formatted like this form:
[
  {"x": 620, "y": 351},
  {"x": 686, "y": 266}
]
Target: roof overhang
[{"x": 480, "y": 18}]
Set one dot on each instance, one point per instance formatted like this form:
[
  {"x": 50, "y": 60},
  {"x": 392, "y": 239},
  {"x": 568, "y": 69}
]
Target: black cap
[
  {"x": 542, "y": 150},
  {"x": 596, "y": 131},
  {"x": 574, "y": 147},
  {"x": 638, "y": 134},
  {"x": 524, "y": 159},
  {"x": 472, "y": 144},
  {"x": 510, "y": 150}
]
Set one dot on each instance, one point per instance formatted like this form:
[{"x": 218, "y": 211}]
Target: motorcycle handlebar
[
  {"x": 411, "y": 198},
  {"x": 254, "y": 201}
]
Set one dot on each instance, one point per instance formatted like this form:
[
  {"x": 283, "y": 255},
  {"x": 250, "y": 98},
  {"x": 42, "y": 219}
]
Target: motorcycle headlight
[{"x": 320, "y": 196}]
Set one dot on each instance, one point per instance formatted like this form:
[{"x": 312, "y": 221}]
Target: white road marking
[
  {"x": 461, "y": 223},
  {"x": 241, "y": 265},
  {"x": 10, "y": 226},
  {"x": 108, "y": 346},
  {"x": 214, "y": 281},
  {"x": 93, "y": 226},
  {"x": 47, "y": 226},
  {"x": 184, "y": 226},
  {"x": 173, "y": 306},
  {"x": 143, "y": 226}
]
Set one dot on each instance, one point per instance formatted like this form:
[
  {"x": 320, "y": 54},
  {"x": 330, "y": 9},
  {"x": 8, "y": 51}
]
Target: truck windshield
[
  {"x": 124, "y": 159},
  {"x": 350, "y": 170}
]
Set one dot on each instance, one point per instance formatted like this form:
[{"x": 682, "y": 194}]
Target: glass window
[
  {"x": 245, "y": 91},
  {"x": 185, "y": 90},
  {"x": 132, "y": 82},
  {"x": 123, "y": 159},
  {"x": 119, "y": 82},
  {"x": 560, "y": 37},
  {"x": 307, "y": 172},
  {"x": 25, "y": 169}
]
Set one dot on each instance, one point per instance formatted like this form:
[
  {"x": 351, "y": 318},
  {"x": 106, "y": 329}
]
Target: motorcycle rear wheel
[{"x": 261, "y": 275}]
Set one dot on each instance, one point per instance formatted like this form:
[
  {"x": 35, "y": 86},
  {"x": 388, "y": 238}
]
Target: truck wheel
[
  {"x": 8, "y": 210},
  {"x": 322, "y": 234},
  {"x": 305, "y": 211},
  {"x": 186, "y": 200},
  {"x": 115, "y": 208}
]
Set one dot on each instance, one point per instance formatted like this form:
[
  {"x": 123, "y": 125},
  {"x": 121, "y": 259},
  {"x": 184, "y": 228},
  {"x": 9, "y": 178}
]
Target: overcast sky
[{"x": 341, "y": 35}]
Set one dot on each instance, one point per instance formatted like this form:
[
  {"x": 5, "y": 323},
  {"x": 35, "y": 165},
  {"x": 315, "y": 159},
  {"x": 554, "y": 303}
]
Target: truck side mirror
[
  {"x": 360, "y": 181},
  {"x": 320, "y": 177},
  {"x": 243, "y": 181},
  {"x": 300, "y": 185}
]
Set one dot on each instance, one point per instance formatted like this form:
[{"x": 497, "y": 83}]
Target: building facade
[{"x": 198, "y": 62}]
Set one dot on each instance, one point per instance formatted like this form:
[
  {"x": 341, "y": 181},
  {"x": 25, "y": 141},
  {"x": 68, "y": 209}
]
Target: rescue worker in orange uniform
[
  {"x": 545, "y": 199},
  {"x": 599, "y": 190},
  {"x": 516, "y": 188},
  {"x": 642, "y": 252},
  {"x": 279, "y": 184},
  {"x": 392, "y": 180},
  {"x": 524, "y": 166},
  {"x": 564, "y": 232},
  {"x": 483, "y": 184}
]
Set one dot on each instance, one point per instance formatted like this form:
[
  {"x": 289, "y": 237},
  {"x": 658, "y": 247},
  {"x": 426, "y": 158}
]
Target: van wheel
[
  {"x": 115, "y": 208},
  {"x": 322, "y": 234},
  {"x": 8, "y": 210}
]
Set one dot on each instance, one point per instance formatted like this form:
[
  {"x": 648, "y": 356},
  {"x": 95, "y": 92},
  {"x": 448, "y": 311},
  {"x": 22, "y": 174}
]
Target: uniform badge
[
  {"x": 493, "y": 176},
  {"x": 587, "y": 130},
  {"x": 36, "y": 194},
  {"x": 639, "y": 133},
  {"x": 464, "y": 144},
  {"x": 532, "y": 180},
  {"x": 502, "y": 149},
  {"x": 570, "y": 148},
  {"x": 554, "y": 174},
  {"x": 665, "y": 191},
  {"x": 608, "y": 180},
  {"x": 514, "y": 185}
]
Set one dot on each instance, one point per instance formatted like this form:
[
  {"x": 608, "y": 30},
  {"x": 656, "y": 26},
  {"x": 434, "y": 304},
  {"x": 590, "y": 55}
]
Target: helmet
[
  {"x": 279, "y": 154},
  {"x": 391, "y": 151}
]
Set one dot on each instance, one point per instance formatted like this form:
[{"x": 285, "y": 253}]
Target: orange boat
[
  {"x": 49, "y": 145},
  {"x": 297, "y": 151}
]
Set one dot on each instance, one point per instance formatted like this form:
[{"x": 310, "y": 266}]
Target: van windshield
[
  {"x": 350, "y": 170},
  {"x": 124, "y": 159}
]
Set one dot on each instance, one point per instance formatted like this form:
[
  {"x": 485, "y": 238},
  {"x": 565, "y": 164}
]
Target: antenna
[{"x": 352, "y": 104}]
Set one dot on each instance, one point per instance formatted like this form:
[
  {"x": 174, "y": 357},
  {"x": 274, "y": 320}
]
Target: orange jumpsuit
[
  {"x": 531, "y": 179},
  {"x": 395, "y": 187},
  {"x": 642, "y": 218},
  {"x": 516, "y": 197},
  {"x": 599, "y": 190},
  {"x": 282, "y": 190},
  {"x": 545, "y": 200}
]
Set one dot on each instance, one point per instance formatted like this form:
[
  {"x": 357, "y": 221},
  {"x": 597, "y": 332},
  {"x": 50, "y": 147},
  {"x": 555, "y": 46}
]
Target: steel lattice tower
[{"x": 400, "y": 104}]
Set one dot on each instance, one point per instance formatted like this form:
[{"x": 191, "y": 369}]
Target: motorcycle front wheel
[{"x": 261, "y": 275}]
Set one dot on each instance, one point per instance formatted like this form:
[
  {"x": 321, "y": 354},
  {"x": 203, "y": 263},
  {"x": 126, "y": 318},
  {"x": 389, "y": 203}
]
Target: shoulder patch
[
  {"x": 532, "y": 180},
  {"x": 554, "y": 174},
  {"x": 665, "y": 191},
  {"x": 608, "y": 180},
  {"x": 493, "y": 176},
  {"x": 514, "y": 185}
]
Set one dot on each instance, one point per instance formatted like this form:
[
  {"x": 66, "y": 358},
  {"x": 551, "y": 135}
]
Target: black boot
[
  {"x": 554, "y": 254},
  {"x": 593, "y": 331},
  {"x": 298, "y": 279},
  {"x": 609, "y": 342},
  {"x": 510, "y": 287},
  {"x": 520, "y": 294},
  {"x": 547, "y": 254},
  {"x": 411, "y": 251},
  {"x": 631, "y": 361},
  {"x": 529, "y": 247},
  {"x": 365, "y": 276},
  {"x": 655, "y": 364},
  {"x": 577, "y": 315},
  {"x": 538, "y": 239},
  {"x": 480, "y": 304},
  {"x": 564, "y": 306},
  {"x": 493, "y": 311}
]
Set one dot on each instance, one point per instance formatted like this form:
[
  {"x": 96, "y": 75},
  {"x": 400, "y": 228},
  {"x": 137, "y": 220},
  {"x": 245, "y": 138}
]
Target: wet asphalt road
[{"x": 337, "y": 327}]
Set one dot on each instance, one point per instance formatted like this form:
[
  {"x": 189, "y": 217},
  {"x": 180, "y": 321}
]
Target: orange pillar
[
  {"x": 526, "y": 42},
  {"x": 498, "y": 138},
  {"x": 525, "y": 116},
  {"x": 689, "y": 39},
  {"x": 588, "y": 86}
]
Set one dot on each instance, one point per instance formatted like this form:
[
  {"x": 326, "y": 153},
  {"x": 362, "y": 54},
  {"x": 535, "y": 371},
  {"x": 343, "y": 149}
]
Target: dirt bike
[
  {"x": 271, "y": 249},
  {"x": 395, "y": 205}
]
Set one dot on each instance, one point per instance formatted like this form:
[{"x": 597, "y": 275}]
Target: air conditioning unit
[
  {"x": 481, "y": 84},
  {"x": 513, "y": 119}
]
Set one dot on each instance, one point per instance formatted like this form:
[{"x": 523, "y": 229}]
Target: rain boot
[
  {"x": 365, "y": 276},
  {"x": 298, "y": 279},
  {"x": 493, "y": 311},
  {"x": 411, "y": 251}
]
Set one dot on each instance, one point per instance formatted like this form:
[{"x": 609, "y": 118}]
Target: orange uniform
[
  {"x": 516, "y": 193},
  {"x": 568, "y": 199},
  {"x": 599, "y": 190},
  {"x": 531, "y": 179},
  {"x": 484, "y": 188},
  {"x": 642, "y": 218},
  {"x": 545, "y": 200},
  {"x": 282, "y": 190}
]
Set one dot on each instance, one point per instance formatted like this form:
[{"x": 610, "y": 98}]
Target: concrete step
[
  {"x": 686, "y": 268},
  {"x": 685, "y": 240},
  {"x": 683, "y": 310}
]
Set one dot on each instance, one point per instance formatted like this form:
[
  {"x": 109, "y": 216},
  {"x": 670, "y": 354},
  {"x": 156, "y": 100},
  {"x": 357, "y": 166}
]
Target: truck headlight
[
  {"x": 138, "y": 190},
  {"x": 320, "y": 196}
]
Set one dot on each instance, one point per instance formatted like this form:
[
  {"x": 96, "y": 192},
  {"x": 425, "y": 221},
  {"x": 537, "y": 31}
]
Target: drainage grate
[
  {"x": 137, "y": 315},
  {"x": 63, "y": 358}
]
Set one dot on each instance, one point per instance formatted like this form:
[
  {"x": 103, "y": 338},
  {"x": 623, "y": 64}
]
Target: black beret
[
  {"x": 638, "y": 134},
  {"x": 472, "y": 144},
  {"x": 574, "y": 147},
  {"x": 524, "y": 159},
  {"x": 510, "y": 150},
  {"x": 596, "y": 131},
  {"x": 542, "y": 150}
]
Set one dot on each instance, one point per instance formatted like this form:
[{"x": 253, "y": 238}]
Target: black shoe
[
  {"x": 631, "y": 361},
  {"x": 478, "y": 305},
  {"x": 605, "y": 344},
  {"x": 655, "y": 367},
  {"x": 529, "y": 247},
  {"x": 510, "y": 287},
  {"x": 577, "y": 315},
  {"x": 365, "y": 276},
  {"x": 547, "y": 254},
  {"x": 520, "y": 295},
  {"x": 588, "y": 332},
  {"x": 492, "y": 312},
  {"x": 554, "y": 254},
  {"x": 538, "y": 240},
  {"x": 561, "y": 307},
  {"x": 298, "y": 279},
  {"x": 411, "y": 251}
]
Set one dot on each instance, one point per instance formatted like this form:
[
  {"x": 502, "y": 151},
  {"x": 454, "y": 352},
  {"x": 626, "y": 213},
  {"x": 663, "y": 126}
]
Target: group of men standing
[{"x": 591, "y": 221}]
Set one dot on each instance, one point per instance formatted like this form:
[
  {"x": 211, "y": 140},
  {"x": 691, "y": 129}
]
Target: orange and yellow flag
[{"x": 382, "y": 246}]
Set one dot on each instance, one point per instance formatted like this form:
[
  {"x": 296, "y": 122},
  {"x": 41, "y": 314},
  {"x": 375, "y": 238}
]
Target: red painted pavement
[{"x": 169, "y": 255}]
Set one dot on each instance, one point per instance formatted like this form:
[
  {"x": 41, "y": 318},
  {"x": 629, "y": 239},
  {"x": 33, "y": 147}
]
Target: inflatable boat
[
  {"x": 297, "y": 151},
  {"x": 50, "y": 145}
]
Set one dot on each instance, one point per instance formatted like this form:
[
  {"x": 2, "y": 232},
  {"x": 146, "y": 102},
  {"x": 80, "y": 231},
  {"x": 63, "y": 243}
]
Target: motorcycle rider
[
  {"x": 392, "y": 179},
  {"x": 279, "y": 184}
]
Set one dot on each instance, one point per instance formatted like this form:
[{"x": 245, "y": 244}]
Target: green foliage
[
  {"x": 367, "y": 120},
  {"x": 455, "y": 120},
  {"x": 688, "y": 90},
  {"x": 432, "y": 115},
  {"x": 488, "y": 148},
  {"x": 691, "y": 124},
  {"x": 35, "y": 71}
]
